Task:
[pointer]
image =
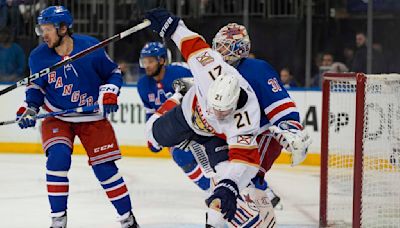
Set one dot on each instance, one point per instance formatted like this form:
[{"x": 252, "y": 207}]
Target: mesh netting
[{"x": 381, "y": 152}]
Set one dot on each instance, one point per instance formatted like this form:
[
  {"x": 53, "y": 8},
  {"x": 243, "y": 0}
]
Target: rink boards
[{"x": 129, "y": 125}]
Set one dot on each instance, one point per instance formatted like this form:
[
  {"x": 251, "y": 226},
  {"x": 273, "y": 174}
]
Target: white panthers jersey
[{"x": 241, "y": 128}]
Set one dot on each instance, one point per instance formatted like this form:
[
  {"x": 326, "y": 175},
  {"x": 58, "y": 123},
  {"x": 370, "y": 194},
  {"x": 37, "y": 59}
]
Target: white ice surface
[{"x": 161, "y": 194}]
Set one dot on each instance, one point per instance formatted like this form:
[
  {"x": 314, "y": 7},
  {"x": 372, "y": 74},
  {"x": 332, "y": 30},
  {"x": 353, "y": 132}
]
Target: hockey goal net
[{"x": 360, "y": 151}]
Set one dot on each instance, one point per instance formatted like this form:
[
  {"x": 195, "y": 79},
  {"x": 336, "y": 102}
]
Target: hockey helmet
[
  {"x": 223, "y": 95},
  {"x": 54, "y": 15},
  {"x": 153, "y": 49},
  {"x": 232, "y": 42}
]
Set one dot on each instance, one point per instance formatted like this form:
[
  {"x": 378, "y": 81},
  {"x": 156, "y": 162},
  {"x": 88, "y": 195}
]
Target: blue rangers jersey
[
  {"x": 153, "y": 93},
  {"x": 73, "y": 85},
  {"x": 272, "y": 96}
]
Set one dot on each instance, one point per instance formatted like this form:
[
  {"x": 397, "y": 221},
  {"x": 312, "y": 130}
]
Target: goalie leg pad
[{"x": 254, "y": 209}]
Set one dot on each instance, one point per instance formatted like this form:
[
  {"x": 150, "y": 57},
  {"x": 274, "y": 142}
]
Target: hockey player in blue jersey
[
  {"x": 91, "y": 79},
  {"x": 154, "y": 88}
]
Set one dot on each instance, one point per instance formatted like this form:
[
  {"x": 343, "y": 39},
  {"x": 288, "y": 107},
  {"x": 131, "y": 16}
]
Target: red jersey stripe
[
  {"x": 192, "y": 45},
  {"x": 247, "y": 155},
  {"x": 280, "y": 108}
]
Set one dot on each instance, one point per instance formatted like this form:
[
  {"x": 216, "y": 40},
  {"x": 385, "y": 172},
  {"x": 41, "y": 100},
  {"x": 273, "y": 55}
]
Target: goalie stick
[
  {"x": 27, "y": 80},
  {"x": 50, "y": 114}
]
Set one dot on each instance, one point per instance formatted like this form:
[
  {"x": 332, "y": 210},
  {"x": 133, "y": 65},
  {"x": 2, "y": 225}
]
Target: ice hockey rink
[{"x": 162, "y": 196}]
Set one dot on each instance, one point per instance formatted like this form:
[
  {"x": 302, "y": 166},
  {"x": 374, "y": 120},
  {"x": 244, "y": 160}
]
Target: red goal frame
[{"x": 360, "y": 80}]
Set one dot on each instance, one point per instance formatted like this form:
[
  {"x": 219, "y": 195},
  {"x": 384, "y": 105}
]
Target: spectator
[
  {"x": 3, "y": 14},
  {"x": 327, "y": 60},
  {"x": 360, "y": 57},
  {"x": 328, "y": 65},
  {"x": 10, "y": 16},
  {"x": 348, "y": 54},
  {"x": 12, "y": 58},
  {"x": 287, "y": 78}
]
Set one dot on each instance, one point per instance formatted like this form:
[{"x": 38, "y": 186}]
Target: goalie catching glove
[
  {"x": 108, "y": 99},
  {"x": 293, "y": 138}
]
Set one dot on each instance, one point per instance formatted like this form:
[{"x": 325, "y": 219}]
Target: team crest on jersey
[
  {"x": 200, "y": 122},
  {"x": 69, "y": 70},
  {"x": 205, "y": 58},
  {"x": 245, "y": 139}
]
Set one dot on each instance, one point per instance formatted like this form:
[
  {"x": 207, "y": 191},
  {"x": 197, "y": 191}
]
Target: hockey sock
[
  {"x": 58, "y": 165},
  {"x": 114, "y": 185},
  {"x": 188, "y": 164}
]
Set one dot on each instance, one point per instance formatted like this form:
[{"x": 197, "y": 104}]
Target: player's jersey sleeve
[
  {"x": 273, "y": 97},
  {"x": 143, "y": 91},
  {"x": 35, "y": 91},
  {"x": 205, "y": 63}
]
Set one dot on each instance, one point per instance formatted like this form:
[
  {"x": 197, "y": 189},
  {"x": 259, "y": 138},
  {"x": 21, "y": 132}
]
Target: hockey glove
[
  {"x": 293, "y": 138},
  {"x": 26, "y": 116},
  {"x": 162, "y": 21},
  {"x": 182, "y": 85},
  {"x": 224, "y": 198},
  {"x": 108, "y": 99}
]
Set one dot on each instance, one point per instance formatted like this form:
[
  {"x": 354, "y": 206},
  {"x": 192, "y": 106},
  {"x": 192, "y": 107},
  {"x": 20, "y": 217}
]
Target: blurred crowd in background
[{"x": 276, "y": 28}]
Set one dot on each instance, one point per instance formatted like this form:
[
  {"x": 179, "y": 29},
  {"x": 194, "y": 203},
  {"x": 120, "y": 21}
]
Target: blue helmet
[
  {"x": 154, "y": 49},
  {"x": 55, "y": 15}
]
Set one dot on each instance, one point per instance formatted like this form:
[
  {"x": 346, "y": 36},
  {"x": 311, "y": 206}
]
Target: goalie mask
[
  {"x": 232, "y": 42},
  {"x": 223, "y": 96}
]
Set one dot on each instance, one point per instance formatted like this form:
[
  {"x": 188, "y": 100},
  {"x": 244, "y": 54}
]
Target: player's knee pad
[
  {"x": 106, "y": 170},
  {"x": 184, "y": 159},
  {"x": 58, "y": 157}
]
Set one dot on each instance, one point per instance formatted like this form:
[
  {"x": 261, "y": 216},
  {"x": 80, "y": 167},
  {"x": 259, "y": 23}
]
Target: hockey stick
[
  {"x": 67, "y": 111},
  {"x": 26, "y": 80},
  {"x": 201, "y": 157}
]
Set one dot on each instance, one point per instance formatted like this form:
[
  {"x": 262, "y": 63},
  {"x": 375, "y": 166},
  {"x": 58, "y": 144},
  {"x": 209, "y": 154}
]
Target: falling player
[
  {"x": 153, "y": 89},
  {"x": 221, "y": 103},
  {"x": 233, "y": 43},
  {"x": 81, "y": 83}
]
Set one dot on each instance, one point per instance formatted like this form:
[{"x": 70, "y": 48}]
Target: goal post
[{"x": 360, "y": 150}]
